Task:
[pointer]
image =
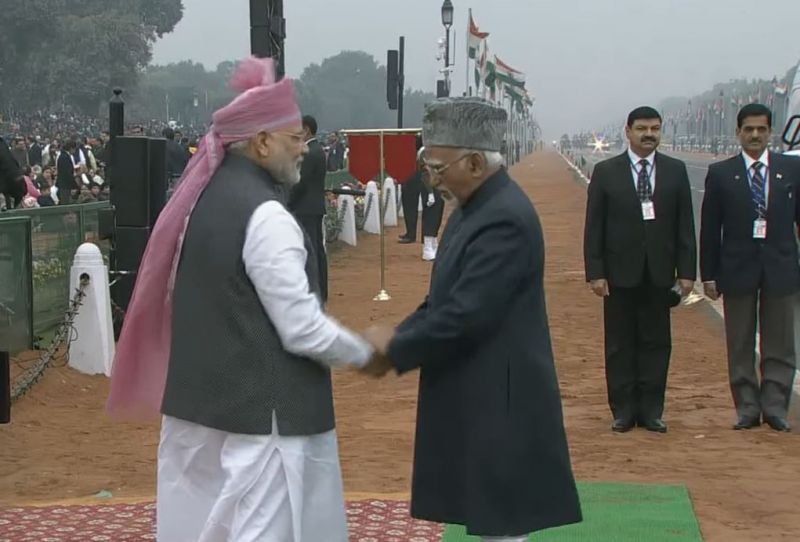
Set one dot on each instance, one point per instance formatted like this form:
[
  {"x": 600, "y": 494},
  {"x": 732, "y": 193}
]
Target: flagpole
[{"x": 467, "y": 87}]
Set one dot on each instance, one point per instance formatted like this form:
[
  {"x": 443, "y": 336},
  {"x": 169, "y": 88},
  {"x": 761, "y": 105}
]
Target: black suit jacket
[
  {"x": 177, "y": 158},
  {"x": 35, "y": 155},
  {"x": 12, "y": 184},
  {"x": 308, "y": 196},
  {"x": 618, "y": 241},
  {"x": 728, "y": 253},
  {"x": 65, "y": 172}
]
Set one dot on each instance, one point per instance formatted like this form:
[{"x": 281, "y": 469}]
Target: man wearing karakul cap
[
  {"x": 225, "y": 336},
  {"x": 490, "y": 451}
]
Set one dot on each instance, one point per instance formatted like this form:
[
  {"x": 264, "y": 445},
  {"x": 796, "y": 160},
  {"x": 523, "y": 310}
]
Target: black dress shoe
[
  {"x": 656, "y": 425},
  {"x": 778, "y": 424},
  {"x": 406, "y": 241},
  {"x": 747, "y": 422},
  {"x": 622, "y": 425}
]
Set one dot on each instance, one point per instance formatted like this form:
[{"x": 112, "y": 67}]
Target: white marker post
[
  {"x": 372, "y": 206},
  {"x": 348, "y": 233},
  {"x": 92, "y": 351},
  {"x": 390, "y": 195}
]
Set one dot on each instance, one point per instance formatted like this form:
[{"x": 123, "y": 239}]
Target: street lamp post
[{"x": 447, "y": 22}]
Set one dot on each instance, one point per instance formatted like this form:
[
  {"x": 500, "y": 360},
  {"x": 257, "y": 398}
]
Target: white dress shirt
[
  {"x": 263, "y": 487},
  {"x": 636, "y": 167},
  {"x": 748, "y": 164},
  {"x": 274, "y": 258}
]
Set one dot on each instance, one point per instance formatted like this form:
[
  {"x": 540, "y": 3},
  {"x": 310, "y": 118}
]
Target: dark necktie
[
  {"x": 757, "y": 186},
  {"x": 643, "y": 187}
]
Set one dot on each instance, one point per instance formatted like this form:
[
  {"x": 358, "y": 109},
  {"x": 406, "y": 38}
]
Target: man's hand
[
  {"x": 377, "y": 366},
  {"x": 379, "y": 337},
  {"x": 686, "y": 286},
  {"x": 599, "y": 287},
  {"x": 710, "y": 289}
]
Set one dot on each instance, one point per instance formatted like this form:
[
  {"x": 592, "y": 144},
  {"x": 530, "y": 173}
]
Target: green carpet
[{"x": 620, "y": 513}]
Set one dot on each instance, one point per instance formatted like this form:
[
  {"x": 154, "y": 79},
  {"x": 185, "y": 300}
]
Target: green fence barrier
[
  {"x": 16, "y": 290},
  {"x": 56, "y": 232}
]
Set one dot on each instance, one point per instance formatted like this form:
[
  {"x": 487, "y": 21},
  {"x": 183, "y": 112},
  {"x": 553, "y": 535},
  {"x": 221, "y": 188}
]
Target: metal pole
[
  {"x": 5, "y": 388},
  {"x": 278, "y": 33},
  {"x": 268, "y": 31},
  {"x": 383, "y": 295},
  {"x": 116, "y": 128},
  {"x": 400, "y": 81},
  {"x": 467, "y": 86},
  {"x": 116, "y": 114},
  {"x": 447, "y": 61}
]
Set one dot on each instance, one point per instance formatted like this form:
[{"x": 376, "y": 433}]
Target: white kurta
[{"x": 215, "y": 486}]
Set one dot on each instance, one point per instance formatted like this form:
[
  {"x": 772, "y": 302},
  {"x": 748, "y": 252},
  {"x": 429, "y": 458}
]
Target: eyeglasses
[
  {"x": 436, "y": 170},
  {"x": 294, "y": 136}
]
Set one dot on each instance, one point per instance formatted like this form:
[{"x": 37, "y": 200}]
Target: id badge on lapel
[
  {"x": 760, "y": 229},
  {"x": 648, "y": 210}
]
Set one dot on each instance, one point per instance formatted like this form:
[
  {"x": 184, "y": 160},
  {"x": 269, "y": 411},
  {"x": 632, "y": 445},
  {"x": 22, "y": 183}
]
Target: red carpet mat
[{"x": 369, "y": 521}]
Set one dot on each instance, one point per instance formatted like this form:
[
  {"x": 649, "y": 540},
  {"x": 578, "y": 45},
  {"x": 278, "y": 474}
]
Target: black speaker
[
  {"x": 130, "y": 194},
  {"x": 260, "y": 44},
  {"x": 158, "y": 178},
  {"x": 126, "y": 255},
  {"x": 441, "y": 89},
  {"x": 258, "y": 12},
  {"x": 105, "y": 224},
  {"x": 129, "y": 245},
  {"x": 392, "y": 78}
]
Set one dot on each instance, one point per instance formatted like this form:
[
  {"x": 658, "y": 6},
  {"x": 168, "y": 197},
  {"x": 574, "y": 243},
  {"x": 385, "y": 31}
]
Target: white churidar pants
[{"x": 215, "y": 486}]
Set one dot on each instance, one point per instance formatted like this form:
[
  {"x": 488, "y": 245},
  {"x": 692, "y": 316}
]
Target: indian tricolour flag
[
  {"x": 508, "y": 75},
  {"x": 474, "y": 38}
]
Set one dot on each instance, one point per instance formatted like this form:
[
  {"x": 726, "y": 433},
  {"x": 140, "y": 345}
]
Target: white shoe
[{"x": 429, "y": 247}]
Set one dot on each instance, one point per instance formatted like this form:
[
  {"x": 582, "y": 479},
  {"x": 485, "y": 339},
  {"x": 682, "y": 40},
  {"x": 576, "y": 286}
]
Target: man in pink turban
[{"x": 226, "y": 338}]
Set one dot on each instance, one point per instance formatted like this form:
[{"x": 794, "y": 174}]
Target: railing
[
  {"x": 56, "y": 232},
  {"x": 16, "y": 289}
]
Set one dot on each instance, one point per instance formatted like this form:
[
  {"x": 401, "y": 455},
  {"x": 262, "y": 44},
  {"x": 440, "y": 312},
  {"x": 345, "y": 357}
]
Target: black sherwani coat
[
  {"x": 12, "y": 185},
  {"x": 491, "y": 450}
]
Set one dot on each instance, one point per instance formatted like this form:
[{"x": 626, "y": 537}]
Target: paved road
[{"x": 697, "y": 166}]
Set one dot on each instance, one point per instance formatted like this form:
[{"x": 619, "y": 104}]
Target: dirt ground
[{"x": 745, "y": 485}]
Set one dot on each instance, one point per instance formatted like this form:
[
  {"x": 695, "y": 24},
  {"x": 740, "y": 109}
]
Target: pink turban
[{"x": 140, "y": 367}]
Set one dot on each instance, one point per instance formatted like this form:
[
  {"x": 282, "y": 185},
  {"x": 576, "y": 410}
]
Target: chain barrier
[
  {"x": 367, "y": 208},
  {"x": 65, "y": 334},
  {"x": 117, "y": 311},
  {"x": 343, "y": 212}
]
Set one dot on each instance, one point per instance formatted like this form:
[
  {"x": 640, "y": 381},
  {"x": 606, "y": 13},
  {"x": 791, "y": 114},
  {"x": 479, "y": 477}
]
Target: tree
[
  {"x": 57, "y": 52},
  {"x": 348, "y": 90}
]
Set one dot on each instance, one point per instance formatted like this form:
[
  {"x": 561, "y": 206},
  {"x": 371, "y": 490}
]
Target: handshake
[{"x": 379, "y": 337}]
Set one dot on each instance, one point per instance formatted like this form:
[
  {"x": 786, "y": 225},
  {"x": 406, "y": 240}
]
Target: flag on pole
[
  {"x": 508, "y": 75},
  {"x": 480, "y": 66},
  {"x": 490, "y": 78},
  {"x": 474, "y": 38}
]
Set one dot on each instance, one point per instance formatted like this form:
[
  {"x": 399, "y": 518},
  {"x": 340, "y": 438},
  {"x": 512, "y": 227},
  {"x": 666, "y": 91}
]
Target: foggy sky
[{"x": 588, "y": 62}]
